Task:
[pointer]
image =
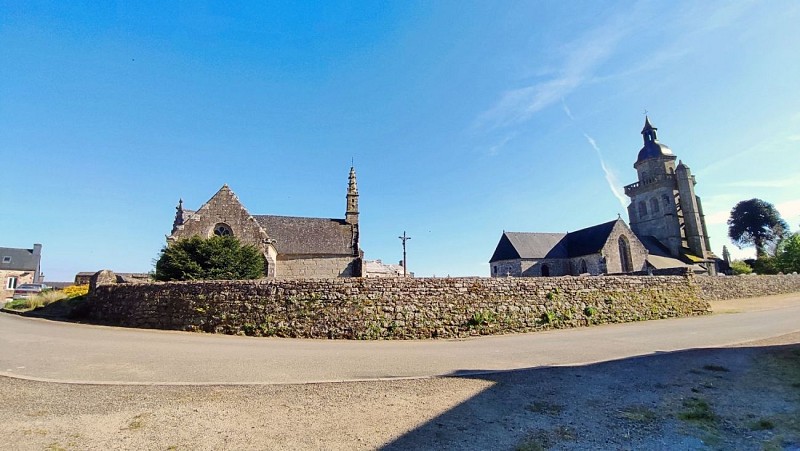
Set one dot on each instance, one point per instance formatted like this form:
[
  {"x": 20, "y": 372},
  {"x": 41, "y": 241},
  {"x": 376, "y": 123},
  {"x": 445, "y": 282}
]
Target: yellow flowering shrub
[{"x": 76, "y": 290}]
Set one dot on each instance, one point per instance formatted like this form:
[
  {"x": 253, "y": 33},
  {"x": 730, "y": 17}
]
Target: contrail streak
[{"x": 611, "y": 178}]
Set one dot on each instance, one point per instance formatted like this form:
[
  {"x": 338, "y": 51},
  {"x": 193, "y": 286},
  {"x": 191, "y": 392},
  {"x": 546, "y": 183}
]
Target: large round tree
[
  {"x": 215, "y": 258},
  {"x": 756, "y": 223}
]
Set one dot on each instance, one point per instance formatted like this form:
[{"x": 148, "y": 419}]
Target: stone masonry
[
  {"x": 394, "y": 308},
  {"x": 745, "y": 286}
]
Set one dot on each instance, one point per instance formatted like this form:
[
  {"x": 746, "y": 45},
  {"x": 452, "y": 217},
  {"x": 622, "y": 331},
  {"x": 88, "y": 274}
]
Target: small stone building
[
  {"x": 293, "y": 247},
  {"x": 609, "y": 248},
  {"x": 18, "y": 266},
  {"x": 377, "y": 268}
]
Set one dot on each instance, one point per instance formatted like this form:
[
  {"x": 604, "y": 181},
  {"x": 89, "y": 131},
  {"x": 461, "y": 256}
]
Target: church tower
[
  {"x": 663, "y": 202},
  {"x": 351, "y": 215}
]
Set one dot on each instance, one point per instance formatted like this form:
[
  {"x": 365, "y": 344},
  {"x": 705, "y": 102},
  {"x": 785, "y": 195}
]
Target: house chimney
[{"x": 37, "y": 257}]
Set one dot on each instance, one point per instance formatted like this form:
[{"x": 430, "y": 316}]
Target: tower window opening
[
  {"x": 642, "y": 209},
  {"x": 654, "y": 205}
]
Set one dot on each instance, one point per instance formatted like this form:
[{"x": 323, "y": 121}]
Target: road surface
[{"x": 45, "y": 350}]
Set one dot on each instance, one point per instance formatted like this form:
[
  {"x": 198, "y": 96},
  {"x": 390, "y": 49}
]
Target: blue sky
[{"x": 464, "y": 119}]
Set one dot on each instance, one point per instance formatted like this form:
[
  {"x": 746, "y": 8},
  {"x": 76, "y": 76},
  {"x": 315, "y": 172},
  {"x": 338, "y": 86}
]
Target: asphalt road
[{"x": 53, "y": 351}]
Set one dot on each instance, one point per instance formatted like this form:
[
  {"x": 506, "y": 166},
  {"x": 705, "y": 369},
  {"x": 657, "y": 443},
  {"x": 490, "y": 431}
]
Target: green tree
[
  {"x": 215, "y": 258},
  {"x": 788, "y": 255},
  {"x": 756, "y": 223},
  {"x": 767, "y": 264}
]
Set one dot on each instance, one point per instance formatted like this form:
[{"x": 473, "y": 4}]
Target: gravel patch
[{"x": 745, "y": 397}]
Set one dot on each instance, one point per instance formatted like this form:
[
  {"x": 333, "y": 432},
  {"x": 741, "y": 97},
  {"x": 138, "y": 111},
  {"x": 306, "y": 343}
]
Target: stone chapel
[{"x": 293, "y": 247}]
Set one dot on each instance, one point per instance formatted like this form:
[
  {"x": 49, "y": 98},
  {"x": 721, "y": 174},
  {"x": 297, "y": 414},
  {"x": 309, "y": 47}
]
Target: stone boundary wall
[
  {"x": 746, "y": 286},
  {"x": 394, "y": 308}
]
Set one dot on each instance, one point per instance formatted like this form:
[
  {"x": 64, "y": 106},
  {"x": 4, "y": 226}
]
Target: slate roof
[
  {"x": 529, "y": 245},
  {"x": 654, "y": 246},
  {"x": 21, "y": 259},
  {"x": 308, "y": 236},
  {"x": 589, "y": 240}
]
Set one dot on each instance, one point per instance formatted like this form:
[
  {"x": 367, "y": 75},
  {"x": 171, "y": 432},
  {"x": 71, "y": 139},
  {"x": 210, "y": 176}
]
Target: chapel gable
[{"x": 223, "y": 214}]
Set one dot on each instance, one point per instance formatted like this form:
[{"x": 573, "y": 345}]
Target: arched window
[
  {"x": 642, "y": 209},
  {"x": 545, "y": 271},
  {"x": 625, "y": 255},
  {"x": 584, "y": 269},
  {"x": 654, "y": 205},
  {"x": 666, "y": 200},
  {"x": 222, "y": 229}
]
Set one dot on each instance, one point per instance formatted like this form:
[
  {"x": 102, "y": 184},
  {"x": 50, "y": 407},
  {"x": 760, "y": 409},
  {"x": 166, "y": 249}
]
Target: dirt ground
[{"x": 744, "y": 397}]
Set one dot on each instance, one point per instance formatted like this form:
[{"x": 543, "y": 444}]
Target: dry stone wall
[
  {"x": 394, "y": 308},
  {"x": 746, "y": 286}
]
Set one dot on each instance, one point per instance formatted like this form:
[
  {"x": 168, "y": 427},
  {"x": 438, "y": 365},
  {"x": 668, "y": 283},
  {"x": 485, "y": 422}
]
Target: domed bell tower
[
  {"x": 653, "y": 209},
  {"x": 663, "y": 202}
]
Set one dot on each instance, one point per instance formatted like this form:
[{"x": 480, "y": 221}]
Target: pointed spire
[
  {"x": 648, "y": 131},
  {"x": 352, "y": 187},
  {"x": 647, "y": 124},
  {"x": 178, "y": 216},
  {"x": 351, "y": 215}
]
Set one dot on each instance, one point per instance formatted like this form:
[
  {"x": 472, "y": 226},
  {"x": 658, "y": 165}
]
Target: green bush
[
  {"x": 740, "y": 267},
  {"x": 215, "y": 258},
  {"x": 483, "y": 318}
]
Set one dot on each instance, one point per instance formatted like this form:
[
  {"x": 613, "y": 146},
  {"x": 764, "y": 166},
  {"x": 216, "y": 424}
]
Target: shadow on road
[{"x": 732, "y": 398}]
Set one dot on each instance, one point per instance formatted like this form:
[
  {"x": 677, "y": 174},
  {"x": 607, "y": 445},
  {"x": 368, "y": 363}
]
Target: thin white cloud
[
  {"x": 778, "y": 183},
  {"x": 790, "y": 211},
  {"x": 579, "y": 61},
  {"x": 495, "y": 149},
  {"x": 718, "y": 217}
]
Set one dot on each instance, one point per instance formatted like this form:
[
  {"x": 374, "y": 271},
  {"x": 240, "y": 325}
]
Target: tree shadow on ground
[{"x": 731, "y": 398}]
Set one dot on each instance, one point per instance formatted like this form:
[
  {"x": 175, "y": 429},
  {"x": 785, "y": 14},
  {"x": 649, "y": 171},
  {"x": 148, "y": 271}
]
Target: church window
[
  {"x": 642, "y": 209},
  {"x": 11, "y": 283},
  {"x": 665, "y": 199},
  {"x": 584, "y": 269},
  {"x": 654, "y": 205},
  {"x": 545, "y": 271},
  {"x": 222, "y": 230},
  {"x": 625, "y": 255},
  {"x": 494, "y": 269}
]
